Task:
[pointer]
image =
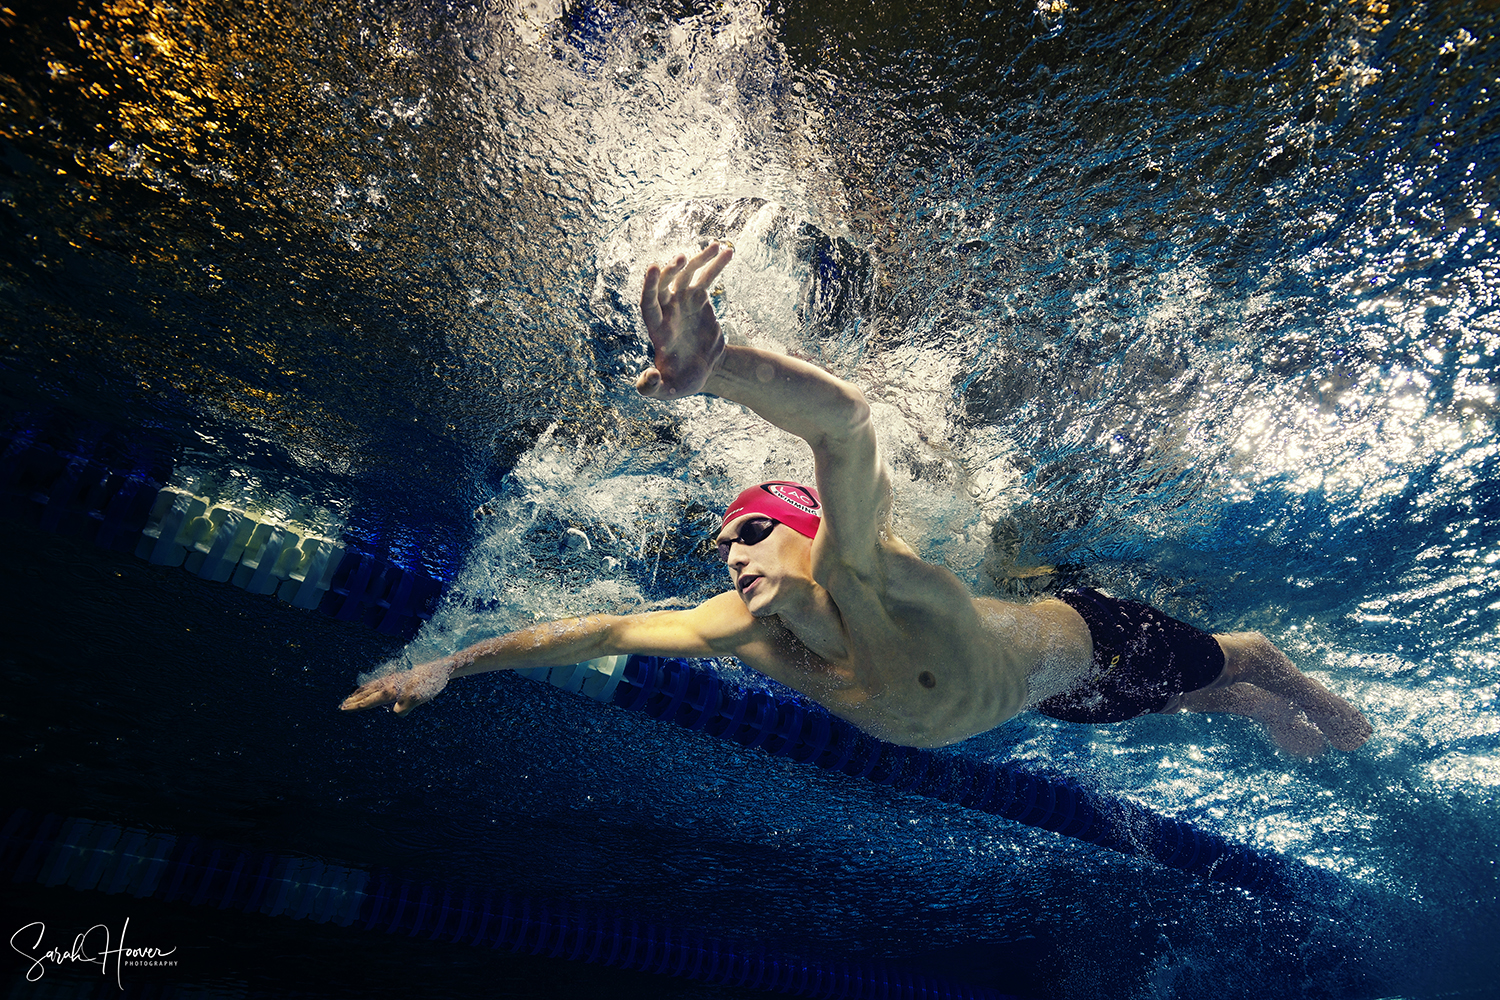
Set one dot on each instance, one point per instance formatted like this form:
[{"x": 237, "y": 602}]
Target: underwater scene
[{"x": 1194, "y": 304}]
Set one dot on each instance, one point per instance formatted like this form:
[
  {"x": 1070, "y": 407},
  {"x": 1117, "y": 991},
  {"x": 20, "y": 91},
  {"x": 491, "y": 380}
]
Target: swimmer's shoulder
[
  {"x": 765, "y": 644},
  {"x": 895, "y": 568},
  {"x": 720, "y": 626},
  {"x": 729, "y": 628},
  {"x": 911, "y": 580}
]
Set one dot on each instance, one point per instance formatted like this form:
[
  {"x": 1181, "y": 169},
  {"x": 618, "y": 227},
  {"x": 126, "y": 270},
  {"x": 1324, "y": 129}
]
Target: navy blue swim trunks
[{"x": 1142, "y": 658}]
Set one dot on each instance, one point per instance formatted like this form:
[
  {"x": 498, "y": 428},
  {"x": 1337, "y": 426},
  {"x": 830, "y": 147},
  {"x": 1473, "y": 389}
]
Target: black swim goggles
[{"x": 752, "y": 532}]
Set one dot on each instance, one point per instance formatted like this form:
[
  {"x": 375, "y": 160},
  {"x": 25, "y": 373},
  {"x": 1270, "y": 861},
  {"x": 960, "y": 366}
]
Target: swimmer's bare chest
[{"x": 922, "y": 663}]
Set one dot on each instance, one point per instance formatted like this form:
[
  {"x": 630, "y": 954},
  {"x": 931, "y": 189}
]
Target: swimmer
[{"x": 828, "y": 600}]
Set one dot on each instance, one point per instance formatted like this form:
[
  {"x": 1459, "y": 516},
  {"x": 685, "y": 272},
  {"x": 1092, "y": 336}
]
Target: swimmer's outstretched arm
[{"x": 713, "y": 628}]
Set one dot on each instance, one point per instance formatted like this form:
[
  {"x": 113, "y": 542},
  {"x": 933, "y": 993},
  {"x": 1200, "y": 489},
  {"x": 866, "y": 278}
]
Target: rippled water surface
[{"x": 1196, "y": 303}]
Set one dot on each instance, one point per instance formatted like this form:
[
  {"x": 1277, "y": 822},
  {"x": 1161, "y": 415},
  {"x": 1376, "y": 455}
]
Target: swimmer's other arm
[
  {"x": 714, "y": 628},
  {"x": 831, "y": 415}
]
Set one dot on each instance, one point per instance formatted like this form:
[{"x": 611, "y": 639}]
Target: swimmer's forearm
[
  {"x": 550, "y": 644},
  {"x": 794, "y": 395}
]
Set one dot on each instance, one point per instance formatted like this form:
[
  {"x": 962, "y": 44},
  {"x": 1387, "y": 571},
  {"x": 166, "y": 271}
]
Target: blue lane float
[
  {"x": 73, "y": 493},
  {"x": 93, "y": 856}
]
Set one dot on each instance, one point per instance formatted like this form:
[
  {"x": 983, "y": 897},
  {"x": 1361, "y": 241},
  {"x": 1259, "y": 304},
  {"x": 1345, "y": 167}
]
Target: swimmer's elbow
[
  {"x": 855, "y": 409},
  {"x": 849, "y": 418},
  {"x": 616, "y": 639}
]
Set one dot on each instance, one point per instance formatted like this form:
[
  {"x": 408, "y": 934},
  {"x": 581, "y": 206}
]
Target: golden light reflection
[{"x": 313, "y": 173}]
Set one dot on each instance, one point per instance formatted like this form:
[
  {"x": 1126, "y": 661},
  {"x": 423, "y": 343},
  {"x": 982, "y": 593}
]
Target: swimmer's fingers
[
  {"x": 664, "y": 290},
  {"x": 684, "y": 282},
  {"x": 650, "y": 383},
  {"x": 657, "y": 295},
  {"x": 380, "y": 691},
  {"x": 714, "y": 258},
  {"x": 406, "y": 703},
  {"x": 650, "y": 303},
  {"x": 403, "y": 692},
  {"x": 683, "y": 328}
]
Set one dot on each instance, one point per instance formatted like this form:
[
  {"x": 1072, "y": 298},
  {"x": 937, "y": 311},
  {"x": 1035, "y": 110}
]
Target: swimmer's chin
[
  {"x": 762, "y": 611},
  {"x": 748, "y": 592}
]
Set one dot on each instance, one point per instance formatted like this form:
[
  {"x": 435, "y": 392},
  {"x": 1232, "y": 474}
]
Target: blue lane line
[
  {"x": 76, "y": 495},
  {"x": 90, "y": 855}
]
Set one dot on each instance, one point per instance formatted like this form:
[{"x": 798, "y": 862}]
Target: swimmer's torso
[{"x": 923, "y": 663}]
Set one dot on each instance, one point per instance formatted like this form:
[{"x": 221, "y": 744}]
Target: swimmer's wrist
[
  {"x": 459, "y": 665},
  {"x": 717, "y": 363},
  {"x": 721, "y": 371}
]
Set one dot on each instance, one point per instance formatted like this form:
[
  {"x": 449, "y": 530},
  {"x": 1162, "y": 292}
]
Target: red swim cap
[{"x": 793, "y": 504}]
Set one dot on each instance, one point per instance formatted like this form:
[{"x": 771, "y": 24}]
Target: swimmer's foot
[
  {"x": 1287, "y": 726},
  {"x": 1347, "y": 730},
  {"x": 1250, "y": 658}
]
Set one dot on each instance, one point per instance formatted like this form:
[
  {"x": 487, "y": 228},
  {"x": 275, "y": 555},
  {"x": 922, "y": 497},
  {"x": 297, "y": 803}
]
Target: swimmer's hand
[
  {"x": 681, "y": 323},
  {"x": 406, "y": 688}
]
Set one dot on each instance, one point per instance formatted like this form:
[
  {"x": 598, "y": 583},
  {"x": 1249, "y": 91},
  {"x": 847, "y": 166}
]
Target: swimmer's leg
[
  {"x": 1287, "y": 726},
  {"x": 1250, "y": 659}
]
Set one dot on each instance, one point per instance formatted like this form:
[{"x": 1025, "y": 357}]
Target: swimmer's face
[{"x": 765, "y": 572}]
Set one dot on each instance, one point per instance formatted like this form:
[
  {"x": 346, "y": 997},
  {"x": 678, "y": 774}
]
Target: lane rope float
[{"x": 70, "y": 492}]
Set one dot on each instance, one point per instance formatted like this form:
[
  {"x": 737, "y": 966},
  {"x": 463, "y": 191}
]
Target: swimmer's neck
[{"x": 811, "y": 615}]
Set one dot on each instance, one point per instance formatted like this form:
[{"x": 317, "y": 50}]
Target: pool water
[{"x": 1195, "y": 304}]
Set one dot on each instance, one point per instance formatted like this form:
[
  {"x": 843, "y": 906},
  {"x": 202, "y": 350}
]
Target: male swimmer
[{"x": 829, "y": 601}]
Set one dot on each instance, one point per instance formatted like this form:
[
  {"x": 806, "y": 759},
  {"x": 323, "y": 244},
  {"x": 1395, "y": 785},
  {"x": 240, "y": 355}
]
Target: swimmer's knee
[
  {"x": 1248, "y": 655},
  {"x": 1242, "y": 640}
]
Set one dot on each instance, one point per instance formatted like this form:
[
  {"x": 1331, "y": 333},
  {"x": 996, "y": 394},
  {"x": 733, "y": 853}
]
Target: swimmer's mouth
[{"x": 746, "y": 582}]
